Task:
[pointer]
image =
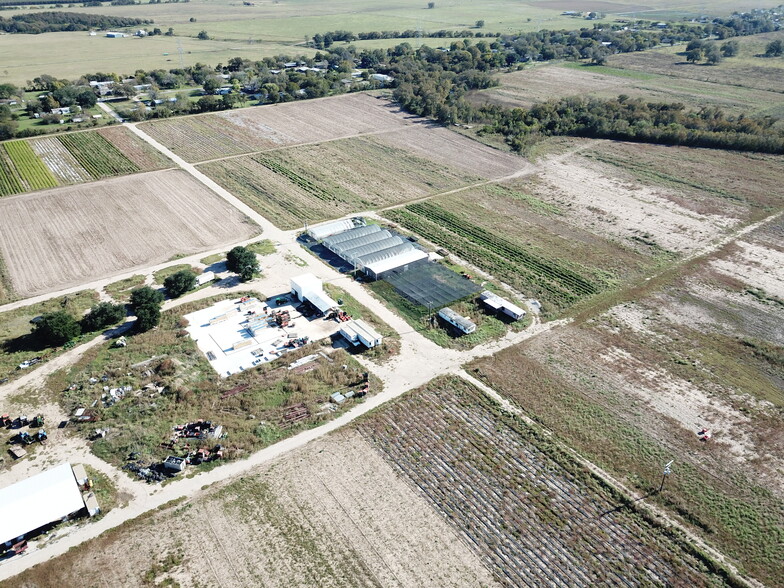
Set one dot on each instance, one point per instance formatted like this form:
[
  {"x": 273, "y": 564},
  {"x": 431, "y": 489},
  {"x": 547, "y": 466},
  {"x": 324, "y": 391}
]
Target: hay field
[
  {"x": 332, "y": 514},
  {"x": 213, "y": 136},
  {"x": 67, "y": 236},
  {"x": 525, "y": 87}
]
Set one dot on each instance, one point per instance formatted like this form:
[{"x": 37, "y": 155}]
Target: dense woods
[{"x": 46, "y": 22}]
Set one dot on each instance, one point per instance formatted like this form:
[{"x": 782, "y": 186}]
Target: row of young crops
[
  {"x": 529, "y": 511},
  {"x": 53, "y": 161},
  {"x": 541, "y": 277}
]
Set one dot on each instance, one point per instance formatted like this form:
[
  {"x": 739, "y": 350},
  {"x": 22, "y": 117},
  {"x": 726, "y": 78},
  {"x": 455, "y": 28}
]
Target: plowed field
[{"x": 67, "y": 236}]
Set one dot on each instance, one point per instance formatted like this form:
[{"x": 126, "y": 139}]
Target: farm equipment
[
  {"x": 298, "y": 342},
  {"x": 24, "y": 438},
  {"x": 281, "y": 300},
  {"x": 18, "y": 548},
  {"x": 38, "y": 421},
  {"x": 5, "y": 421},
  {"x": 339, "y": 315},
  {"x": 41, "y": 436},
  {"x": 282, "y": 318}
]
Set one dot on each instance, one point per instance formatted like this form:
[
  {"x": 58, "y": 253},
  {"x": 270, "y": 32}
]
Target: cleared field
[
  {"x": 290, "y": 516},
  {"x": 697, "y": 349},
  {"x": 524, "y": 506},
  {"x": 524, "y": 88},
  {"x": 71, "y": 235},
  {"x": 145, "y": 157},
  {"x": 212, "y": 136},
  {"x": 314, "y": 182}
]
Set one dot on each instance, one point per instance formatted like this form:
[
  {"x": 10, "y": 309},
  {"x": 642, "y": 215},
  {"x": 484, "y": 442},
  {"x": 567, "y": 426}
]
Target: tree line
[{"x": 46, "y": 22}]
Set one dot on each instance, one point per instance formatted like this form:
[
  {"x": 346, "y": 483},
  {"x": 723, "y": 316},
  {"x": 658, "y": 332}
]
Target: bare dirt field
[
  {"x": 139, "y": 152},
  {"x": 211, "y": 136},
  {"x": 67, "y": 236},
  {"x": 332, "y": 514}
]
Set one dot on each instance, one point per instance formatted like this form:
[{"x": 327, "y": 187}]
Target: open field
[
  {"x": 543, "y": 82},
  {"x": 600, "y": 215},
  {"x": 746, "y": 70},
  {"x": 120, "y": 290},
  {"x": 131, "y": 146},
  {"x": 67, "y": 236},
  {"x": 290, "y": 515},
  {"x": 527, "y": 509},
  {"x": 212, "y": 136},
  {"x": 72, "y": 54},
  {"x": 702, "y": 348},
  {"x": 315, "y": 182}
]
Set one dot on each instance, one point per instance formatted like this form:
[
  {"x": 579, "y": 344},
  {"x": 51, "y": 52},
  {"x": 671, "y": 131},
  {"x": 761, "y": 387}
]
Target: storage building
[
  {"x": 202, "y": 279},
  {"x": 360, "y": 241},
  {"x": 464, "y": 324},
  {"x": 356, "y": 254},
  {"x": 378, "y": 270},
  {"x": 308, "y": 287},
  {"x": 321, "y": 232},
  {"x": 334, "y": 240},
  {"x": 49, "y": 497},
  {"x": 358, "y": 331},
  {"x": 494, "y": 301}
]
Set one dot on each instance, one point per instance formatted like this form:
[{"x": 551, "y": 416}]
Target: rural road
[{"x": 419, "y": 361}]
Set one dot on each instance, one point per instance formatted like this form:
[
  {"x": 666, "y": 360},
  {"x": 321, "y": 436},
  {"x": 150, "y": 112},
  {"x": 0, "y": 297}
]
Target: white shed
[
  {"x": 358, "y": 331},
  {"x": 465, "y": 324},
  {"x": 499, "y": 304},
  {"x": 308, "y": 287}
]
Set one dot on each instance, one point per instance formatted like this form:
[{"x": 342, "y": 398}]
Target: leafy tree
[
  {"x": 211, "y": 84},
  {"x": 203, "y": 36},
  {"x": 178, "y": 284},
  {"x": 774, "y": 48},
  {"x": 146, "y": 305},
  {"x": 56, "y": 328},
  {"x": 147, "y": 317},
  {"x": 8, "y": 90},
  {"x": 431, "y": 5},
  {"x": 102, "y": 315},
  {"x": 713, "y": 55},
  {"x": 480, "y": 24},
  {"x": 694, "y": 55},
  {"x": 730, "y": 48},
  {"x": 243, "y": 262}
]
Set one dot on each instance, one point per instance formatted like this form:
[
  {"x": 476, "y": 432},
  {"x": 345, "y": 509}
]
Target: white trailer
[
  {"x": 358, "y": 331},
  {"x": 499, "y": 304},
  {"x": 463, "y": 323}
]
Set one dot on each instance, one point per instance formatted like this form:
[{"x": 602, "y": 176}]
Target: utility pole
[{"x": 667, "y": 472}]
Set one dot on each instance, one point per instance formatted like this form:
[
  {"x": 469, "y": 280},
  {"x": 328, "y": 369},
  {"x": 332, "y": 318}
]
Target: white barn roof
[
  {"x": 386, "y": 253},
  {"x": 495, "y": 302},
  {"x": 351, "y": 234},
  {"x": 322, "y": 231},
  {"x": 359, "y": 241},
  {"x": 39, "y": 500},
  {"x": 355, "y": 255},
  {"x": 389, "y": 264}
]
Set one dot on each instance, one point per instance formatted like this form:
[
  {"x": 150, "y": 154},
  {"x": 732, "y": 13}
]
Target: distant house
[
  {"x": 115, "y": 35},
  {"x": 61, "y": 111},
  {"x": 382, "y": 78},
  {"x": 140, "y": 33}
]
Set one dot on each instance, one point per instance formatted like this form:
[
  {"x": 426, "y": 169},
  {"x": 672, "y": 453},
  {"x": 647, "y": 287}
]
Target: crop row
[
  {"x": 10, "y": 182},
  {"x": 302, "y": 182},
  {"x": 523, "y": 505},
  {"x": 502, "y": 267},
  {"x": 547, "y": 268},
  {"x": 99, "y": 157},
  {"x": 31, "y": 169}
]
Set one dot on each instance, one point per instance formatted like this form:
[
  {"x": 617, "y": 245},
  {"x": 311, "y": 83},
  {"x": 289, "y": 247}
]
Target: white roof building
[
  {"x": 320, "y": 232},
  {"x": 309, "y": 287},
  {"x": 377, "y": 269},
  {"x": 358, "y": 331},
  {"x": 497, "y": 303},
  {"x": 48, "y": 497}
]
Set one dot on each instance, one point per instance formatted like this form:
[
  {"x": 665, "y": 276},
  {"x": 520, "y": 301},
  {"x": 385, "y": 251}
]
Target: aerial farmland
[{"x": 481, "y": 308}]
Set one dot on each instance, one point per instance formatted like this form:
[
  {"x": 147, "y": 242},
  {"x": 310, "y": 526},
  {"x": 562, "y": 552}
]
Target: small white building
[
  {"x": 308, "y": 287},
  {"x": 115, "y": 35},
  {"x": 358, "y": 331},
  {"x": 464, "y": 324},
  {"x": 204, "y": 278},
  {"x": 325, "y": 230},
  {"x": 494, "y": 301}
]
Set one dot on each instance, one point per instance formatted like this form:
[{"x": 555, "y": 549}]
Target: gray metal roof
[
  {"x": 360, "y": 241},
  {"x": 387, "y": 253},
  {"x": 352, "y": 255},
  {"x": 350, "y": 234}
]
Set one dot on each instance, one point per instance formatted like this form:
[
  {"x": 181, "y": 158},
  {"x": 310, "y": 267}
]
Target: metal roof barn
[
  {"x": 358, "y": 331},
  {"x": 309, "y": 287},
  {"x": 48, "y": 497},
  {"x": 320, "y": 232},
  {"x": 360, "y": 241},
  {"x": 387, "y": 253},
  {"x": 355, "y": 255},
  {"x": 497, "y": 303},
  {"x": 330, "y": 242}
]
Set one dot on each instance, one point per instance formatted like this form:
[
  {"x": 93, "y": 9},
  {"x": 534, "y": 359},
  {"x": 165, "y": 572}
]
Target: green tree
[
  {"x": 178, "y": 284},
  {"x": 730, "y": 48},
  {"x": 145, "y": 296},
  {"x": 56, "y": 328},
  {"x": 203, "y": 36},
  {"x": 243, "y": 262},
  {"x": 694, "y": 55},
  {"x": 147, "y": 317},
  {"x": 431, "y": 5},
  {"x": 713, "y": 55},
  {"x": 102, "y": 315},
  {"x": 480, "y": 24},
  {"x": 774, "y": 48},
  {"x": 8, "y": 90}
]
